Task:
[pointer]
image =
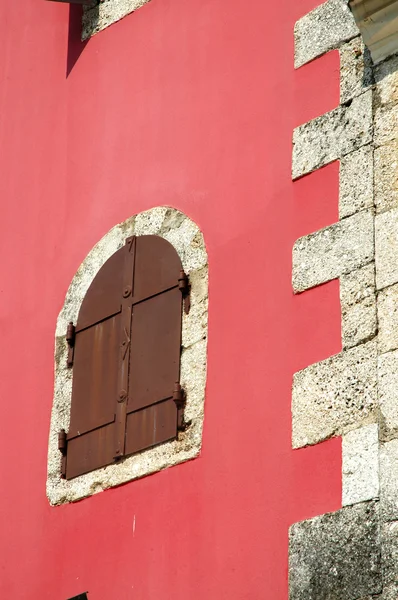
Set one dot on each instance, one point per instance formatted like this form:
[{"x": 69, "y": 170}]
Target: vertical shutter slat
[
  {"x": 157, "y": 266},
  {"x": 155, "y": 350},
  {"x": 95, "y": 372},
  {"x": 104, "y": 294}
]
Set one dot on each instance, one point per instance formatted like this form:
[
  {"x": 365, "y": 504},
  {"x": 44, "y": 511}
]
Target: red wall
[{"x": 189, "y": 103}]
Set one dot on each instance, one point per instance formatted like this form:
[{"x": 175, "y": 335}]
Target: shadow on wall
[{"x": 75, "y": 43}]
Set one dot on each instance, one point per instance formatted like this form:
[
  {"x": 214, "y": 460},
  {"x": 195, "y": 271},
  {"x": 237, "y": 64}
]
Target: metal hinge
[
  {"x": 180, "y": 400},
  {"x": 185, "y": 288},
  {"x": 62, "y": 447},
  {"x": 70, "y": 338}
]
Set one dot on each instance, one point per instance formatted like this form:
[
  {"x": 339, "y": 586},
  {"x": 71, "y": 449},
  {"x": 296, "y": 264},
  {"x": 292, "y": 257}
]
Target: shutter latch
[
  {"x": 62, "y": 445},
  {"x": 185, "y": 288},
  {"x": 70, "y": 338},
  {"x": 180, "y": 399}
]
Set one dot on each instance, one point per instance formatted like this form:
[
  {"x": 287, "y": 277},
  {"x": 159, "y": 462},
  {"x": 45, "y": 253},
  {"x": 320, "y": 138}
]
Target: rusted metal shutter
[{"x": 126, "y": 357}]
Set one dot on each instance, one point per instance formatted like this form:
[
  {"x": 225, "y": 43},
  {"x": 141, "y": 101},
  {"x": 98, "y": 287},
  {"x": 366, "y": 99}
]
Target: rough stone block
[
  {"x": 386, "y": 176},
  {"x": 388, "y": 393},
  {"x": 385, "y": 124},
  {"x": 332, "y": 135},
  {"x": 361, "y": 465},
  {"x": 336, "y": 556},
  {"x": 386, "y": 79},
  {"x": 389, "y": 553},
  {"x": 389, "y": 480},
  {"x": 333, "y": 251},
  {"x": 197, "y": 316},
  {"x": 386, "y": 248},
  {"x": 358, "y": 306},
  {"x": 390, "y": 592},
  {"x": 356, "y": 182},
  {"x": 387, "y": 311},
  {"x": 356, "y": 74},
  {"x": 335, "y": 395},
  {"x": 323, "y": 29}
]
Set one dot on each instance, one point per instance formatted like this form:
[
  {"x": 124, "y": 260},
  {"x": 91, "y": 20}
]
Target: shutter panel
[
  {"x": 103, "y": 298},
  {"x": 96, "y": 369},
  {"x": 155, "y": 345},
  {"x": 126, "y": 357}
]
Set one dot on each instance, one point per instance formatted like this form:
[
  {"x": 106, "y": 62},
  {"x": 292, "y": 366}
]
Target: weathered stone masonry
[{"x": 352, "y": 553}]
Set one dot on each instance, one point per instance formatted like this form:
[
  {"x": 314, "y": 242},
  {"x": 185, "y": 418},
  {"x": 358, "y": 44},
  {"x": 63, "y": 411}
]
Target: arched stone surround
[{"x": 188, "y": 241}]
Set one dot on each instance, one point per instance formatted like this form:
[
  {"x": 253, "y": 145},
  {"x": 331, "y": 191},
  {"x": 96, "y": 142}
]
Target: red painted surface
[{"x": 189, "y": 103}]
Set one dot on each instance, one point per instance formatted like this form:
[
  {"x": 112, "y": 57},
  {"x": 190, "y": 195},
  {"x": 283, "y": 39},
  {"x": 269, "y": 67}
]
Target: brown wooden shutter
[
  {"x": 155, "y": 345},
  {"x": 126, "y": 357}
]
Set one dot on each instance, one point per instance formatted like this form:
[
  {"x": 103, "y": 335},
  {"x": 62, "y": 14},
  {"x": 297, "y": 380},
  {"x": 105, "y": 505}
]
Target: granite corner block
[
  {"x": 386, "y": 248},
  {"x": 333, "y": 251},
  {"x": 358, "y": 306},
  {"x": 332, "y": 135},
  {"x": 335, "y": 395},
  {"x": 356, "y": 69},
  {"x": 323, "y": 29},
  {"x": 336, "y": 555},
  {"x": 356, "y": 182},
  {"x": 361, "y": 465},
  {"x": 389, "y": 480}
]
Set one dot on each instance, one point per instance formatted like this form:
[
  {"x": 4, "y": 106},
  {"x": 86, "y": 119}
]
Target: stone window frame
[
  {"x": 100, "y": 14},
  {"x": 188, "y": 241}
]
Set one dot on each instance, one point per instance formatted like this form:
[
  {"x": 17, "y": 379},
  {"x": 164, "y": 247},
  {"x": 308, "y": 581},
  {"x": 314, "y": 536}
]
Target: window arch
[{"x": 133, "y": 345}]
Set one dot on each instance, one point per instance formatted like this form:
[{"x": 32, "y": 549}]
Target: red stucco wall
[{"x": 189, "y": 103}]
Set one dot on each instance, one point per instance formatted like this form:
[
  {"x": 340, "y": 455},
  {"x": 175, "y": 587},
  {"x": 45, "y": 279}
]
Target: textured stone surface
[
  {"x": 385, "y": 124},
  {"x": 387, "y": 312},
  {"x": 386, "y": 248},
  {"x": 361, "y": 465},
  {"x": 105, "y": 13},
  {"x": 323, "y": 29},
  {"x": 356, "y": 74},
  {"x": 389, "y": 555},
  {"x": 356, "y": 182},
  {"x": 389, "y": 480},
  {"x": 333, "y": 251},
  {"x": 188, "y": 241},
  {"x": 358, "y": 306},
  {"x": 335, "y": 395},
  {"x": 390, "y": 592},
  {"x": 386, "y": 79},
  {"x": 386, "y": 176},
  {"x": 332, "y": 135},
  {"x": 388, "y": 393},
  {"x": 336, "y": 556}
]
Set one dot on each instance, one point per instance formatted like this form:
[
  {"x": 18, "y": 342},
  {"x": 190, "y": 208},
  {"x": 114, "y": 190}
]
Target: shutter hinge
[
  {"x": 62, "y": 446},
  {"x": 180, "y": 399},
  {"x": 70, "y": 338},
  {"x": 185, "y": 288}
]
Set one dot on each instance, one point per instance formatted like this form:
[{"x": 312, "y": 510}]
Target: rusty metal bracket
[
  {"x": 62, "y": 447},
  {"x": 185, "y": 288},
  {"x": 70, "y": 338},
  {"x": 180, "y": 400}
]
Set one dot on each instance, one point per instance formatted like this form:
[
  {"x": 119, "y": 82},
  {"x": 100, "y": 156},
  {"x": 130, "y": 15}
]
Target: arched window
[
  {"x": 125, "y": 355},
  {"x": 131, "y": 401}
]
